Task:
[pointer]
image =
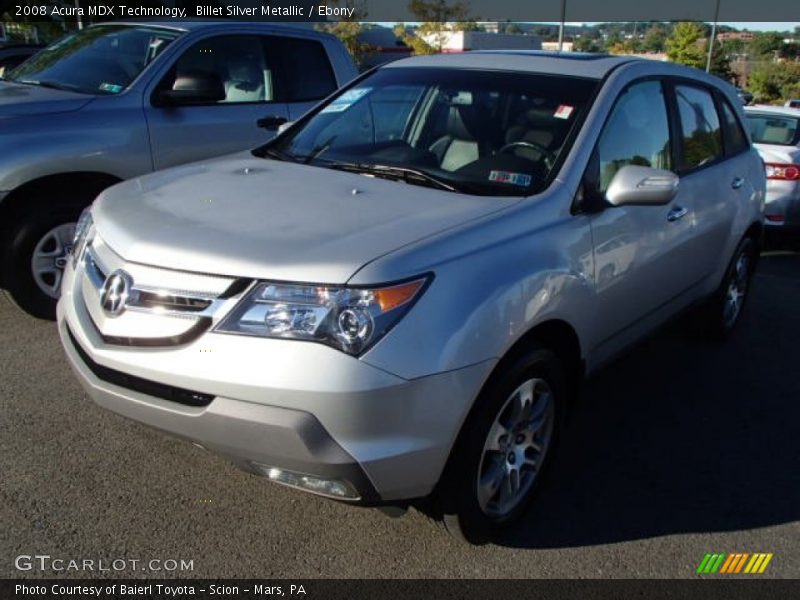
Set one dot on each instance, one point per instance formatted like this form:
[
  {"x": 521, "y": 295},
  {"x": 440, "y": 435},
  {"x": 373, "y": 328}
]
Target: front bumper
[{"x": 288, "y": 404}]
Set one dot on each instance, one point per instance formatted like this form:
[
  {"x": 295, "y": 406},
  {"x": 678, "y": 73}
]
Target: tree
[
  {"x": 721, "y": 64},
  {"x": 436, "y": 19},
  {"x": 349, "y": 30},
  {"x": 683, "y": 45},
  {"x": 766, "y": 44},
  {"x": 775, "y": 82},
  {"x": 655, "y": 39},
  {"x": 513, "y": 28}
]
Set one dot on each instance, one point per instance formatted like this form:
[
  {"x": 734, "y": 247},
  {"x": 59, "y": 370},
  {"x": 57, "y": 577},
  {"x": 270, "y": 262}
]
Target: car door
[
  {"x": 642, "y": 265},
  {"x": 181, "y": 133},
  {"x": 712, "y": 181}
]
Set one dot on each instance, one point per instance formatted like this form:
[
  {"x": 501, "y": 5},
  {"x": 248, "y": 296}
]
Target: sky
[
  {"x": 783, "y": 26},
  {"x": 752, "y": 26}
]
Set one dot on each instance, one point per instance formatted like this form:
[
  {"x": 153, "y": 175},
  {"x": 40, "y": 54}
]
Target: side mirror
[
  {"x": 635, "y": 185},
  {"x": 197, "y": 87}
]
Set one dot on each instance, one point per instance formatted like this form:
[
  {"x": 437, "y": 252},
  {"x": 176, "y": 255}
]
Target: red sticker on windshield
[{"x": 564, "y": 111}]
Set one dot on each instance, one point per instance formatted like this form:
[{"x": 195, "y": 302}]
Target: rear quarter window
[{"x": 773, "y": 129}]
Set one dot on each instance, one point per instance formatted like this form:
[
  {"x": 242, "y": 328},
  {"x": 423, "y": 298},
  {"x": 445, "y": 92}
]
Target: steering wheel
[{"x": 549, "y": 156}]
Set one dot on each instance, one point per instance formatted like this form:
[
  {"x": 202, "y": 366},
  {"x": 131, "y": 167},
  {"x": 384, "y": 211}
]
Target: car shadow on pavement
[{"x": 684, "y": 436}]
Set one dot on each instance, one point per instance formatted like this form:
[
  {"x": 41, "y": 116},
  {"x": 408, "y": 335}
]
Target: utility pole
[
  {"x": 78, "y": 14},
  {"x": 713, "y": 36}
]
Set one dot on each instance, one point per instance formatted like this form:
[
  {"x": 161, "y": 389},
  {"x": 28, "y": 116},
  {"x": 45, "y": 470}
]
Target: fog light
[{"x": 333, "y": 488}]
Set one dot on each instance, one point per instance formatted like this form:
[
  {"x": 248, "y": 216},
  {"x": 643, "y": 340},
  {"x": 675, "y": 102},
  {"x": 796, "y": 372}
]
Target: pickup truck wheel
[
  {"x": 723, "y": 312},
  {"x": 502, "y": 453},
  {"x": 35, "y": 256}
]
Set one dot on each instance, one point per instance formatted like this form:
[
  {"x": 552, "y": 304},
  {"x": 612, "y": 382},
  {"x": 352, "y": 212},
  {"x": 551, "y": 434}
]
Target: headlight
[
  {"x": 350, "y": 319},
  {"x": 82, "y": 228}
]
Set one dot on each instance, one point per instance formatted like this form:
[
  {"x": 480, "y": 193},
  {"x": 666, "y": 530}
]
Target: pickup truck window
[
  {"x": 488, "y": 133},
  {"x": 239, "y": 63},
  {"x": 103, "y": 59},
  {"x": 304, "y": 71}
]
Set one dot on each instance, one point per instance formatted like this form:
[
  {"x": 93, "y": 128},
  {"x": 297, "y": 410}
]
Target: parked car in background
[
  {"x": 393, "y": 301},
  {"x": 115, "y": 101},
  {"x": 793, "y": 103},
  {"x": 745, "y": 96},
  {"x": 12, "y": 55},
  {"x": 776, "y": 134}
]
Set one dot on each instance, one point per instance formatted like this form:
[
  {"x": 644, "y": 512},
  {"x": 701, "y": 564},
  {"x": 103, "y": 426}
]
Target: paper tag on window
[
  {"x": 520, "y": 179},
  {"x": 344, "y": 101},
  {"x": 564, "y": 111}
]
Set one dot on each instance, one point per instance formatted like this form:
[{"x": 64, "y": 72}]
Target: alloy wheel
[
  {"x": 515, "y": 448},
  {"x": 50, "y": 257}
]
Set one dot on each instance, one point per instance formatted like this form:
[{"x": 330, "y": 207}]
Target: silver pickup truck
[{"x": 115, "y": 101}]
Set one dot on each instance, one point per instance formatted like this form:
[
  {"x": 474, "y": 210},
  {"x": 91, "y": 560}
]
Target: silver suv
[
  {"x": 118, "y": 100},
  {"x": 396, "y": 299}
]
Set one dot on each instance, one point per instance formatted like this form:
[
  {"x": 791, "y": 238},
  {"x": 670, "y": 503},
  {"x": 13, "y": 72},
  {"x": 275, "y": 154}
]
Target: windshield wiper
[
  {"x": 48, "y": 84},
  {"x": 406, "y": 174},
  {"x": 278, "y": 154}
]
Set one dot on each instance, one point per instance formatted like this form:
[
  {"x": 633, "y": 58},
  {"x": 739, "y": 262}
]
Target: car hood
[
  {"x": 18, "y": 99},
  {"x": 249, "y": 217}
]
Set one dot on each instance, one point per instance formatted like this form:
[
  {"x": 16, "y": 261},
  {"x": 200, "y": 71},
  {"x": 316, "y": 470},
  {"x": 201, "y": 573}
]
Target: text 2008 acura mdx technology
[
  {"x": 396, "y": 298},
  {"x": 114, "y": 101}
]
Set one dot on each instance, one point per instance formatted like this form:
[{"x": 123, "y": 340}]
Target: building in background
[{"x": 464, "y": 41}]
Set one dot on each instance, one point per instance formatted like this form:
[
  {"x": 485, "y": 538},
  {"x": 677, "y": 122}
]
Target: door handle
[
  {"x": 677, "y": 213},
  {"x": 737, "y": 182},
  {"x": 271, "y": 122}
]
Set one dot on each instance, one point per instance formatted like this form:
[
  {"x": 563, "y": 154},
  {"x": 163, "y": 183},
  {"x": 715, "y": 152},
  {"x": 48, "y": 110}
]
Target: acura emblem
[{"x": 114, "y": 293}]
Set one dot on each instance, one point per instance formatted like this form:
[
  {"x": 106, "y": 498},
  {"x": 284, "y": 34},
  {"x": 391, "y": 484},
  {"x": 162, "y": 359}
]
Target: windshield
[
  {"x": 773, "y": 129},
  {"x": 488, "y": 133},
  {"x": 103, "y": 59}
]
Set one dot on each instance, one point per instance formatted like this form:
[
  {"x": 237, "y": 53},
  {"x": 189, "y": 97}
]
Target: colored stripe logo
[{"x": 738, "y": 562}]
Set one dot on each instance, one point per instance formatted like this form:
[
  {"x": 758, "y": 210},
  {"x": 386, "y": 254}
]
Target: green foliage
[
  {"x": 437, "y": 18},
  {"x": 775, "y": 82},
  {"x": 766, "y": 44},
  {"x": 348, "y": 31},
  {"x": 655, "y": 39},
  {"x": 683, "y": 45}
]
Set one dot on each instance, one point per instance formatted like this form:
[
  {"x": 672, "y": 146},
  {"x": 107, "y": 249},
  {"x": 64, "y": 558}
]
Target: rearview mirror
[
  {"x": 635, "y": 185},
  {"x": 198, "y": 87}
]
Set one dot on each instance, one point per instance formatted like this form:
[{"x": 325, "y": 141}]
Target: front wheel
[
  {"x": 504, "y": 448},
  {"x": 35, "y": 257}
]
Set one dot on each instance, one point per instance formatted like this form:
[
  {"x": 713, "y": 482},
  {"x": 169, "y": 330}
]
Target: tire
[
  {"x": 483, "y": 453},
  {"x": 719, "y": 317},
  {"x": 47, "y": 234}
]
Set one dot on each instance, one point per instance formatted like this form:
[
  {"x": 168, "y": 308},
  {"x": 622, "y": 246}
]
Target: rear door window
[
  {"x": 701, "y": 132},
  {"x": 304, "y": 71}
]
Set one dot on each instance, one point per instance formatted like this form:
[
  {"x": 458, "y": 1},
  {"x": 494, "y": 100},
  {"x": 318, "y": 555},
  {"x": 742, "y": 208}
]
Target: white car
[{"x": 776, "y": 135}]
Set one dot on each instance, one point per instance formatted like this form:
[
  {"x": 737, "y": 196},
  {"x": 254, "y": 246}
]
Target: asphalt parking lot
[{"x": 681, "y": 448}]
